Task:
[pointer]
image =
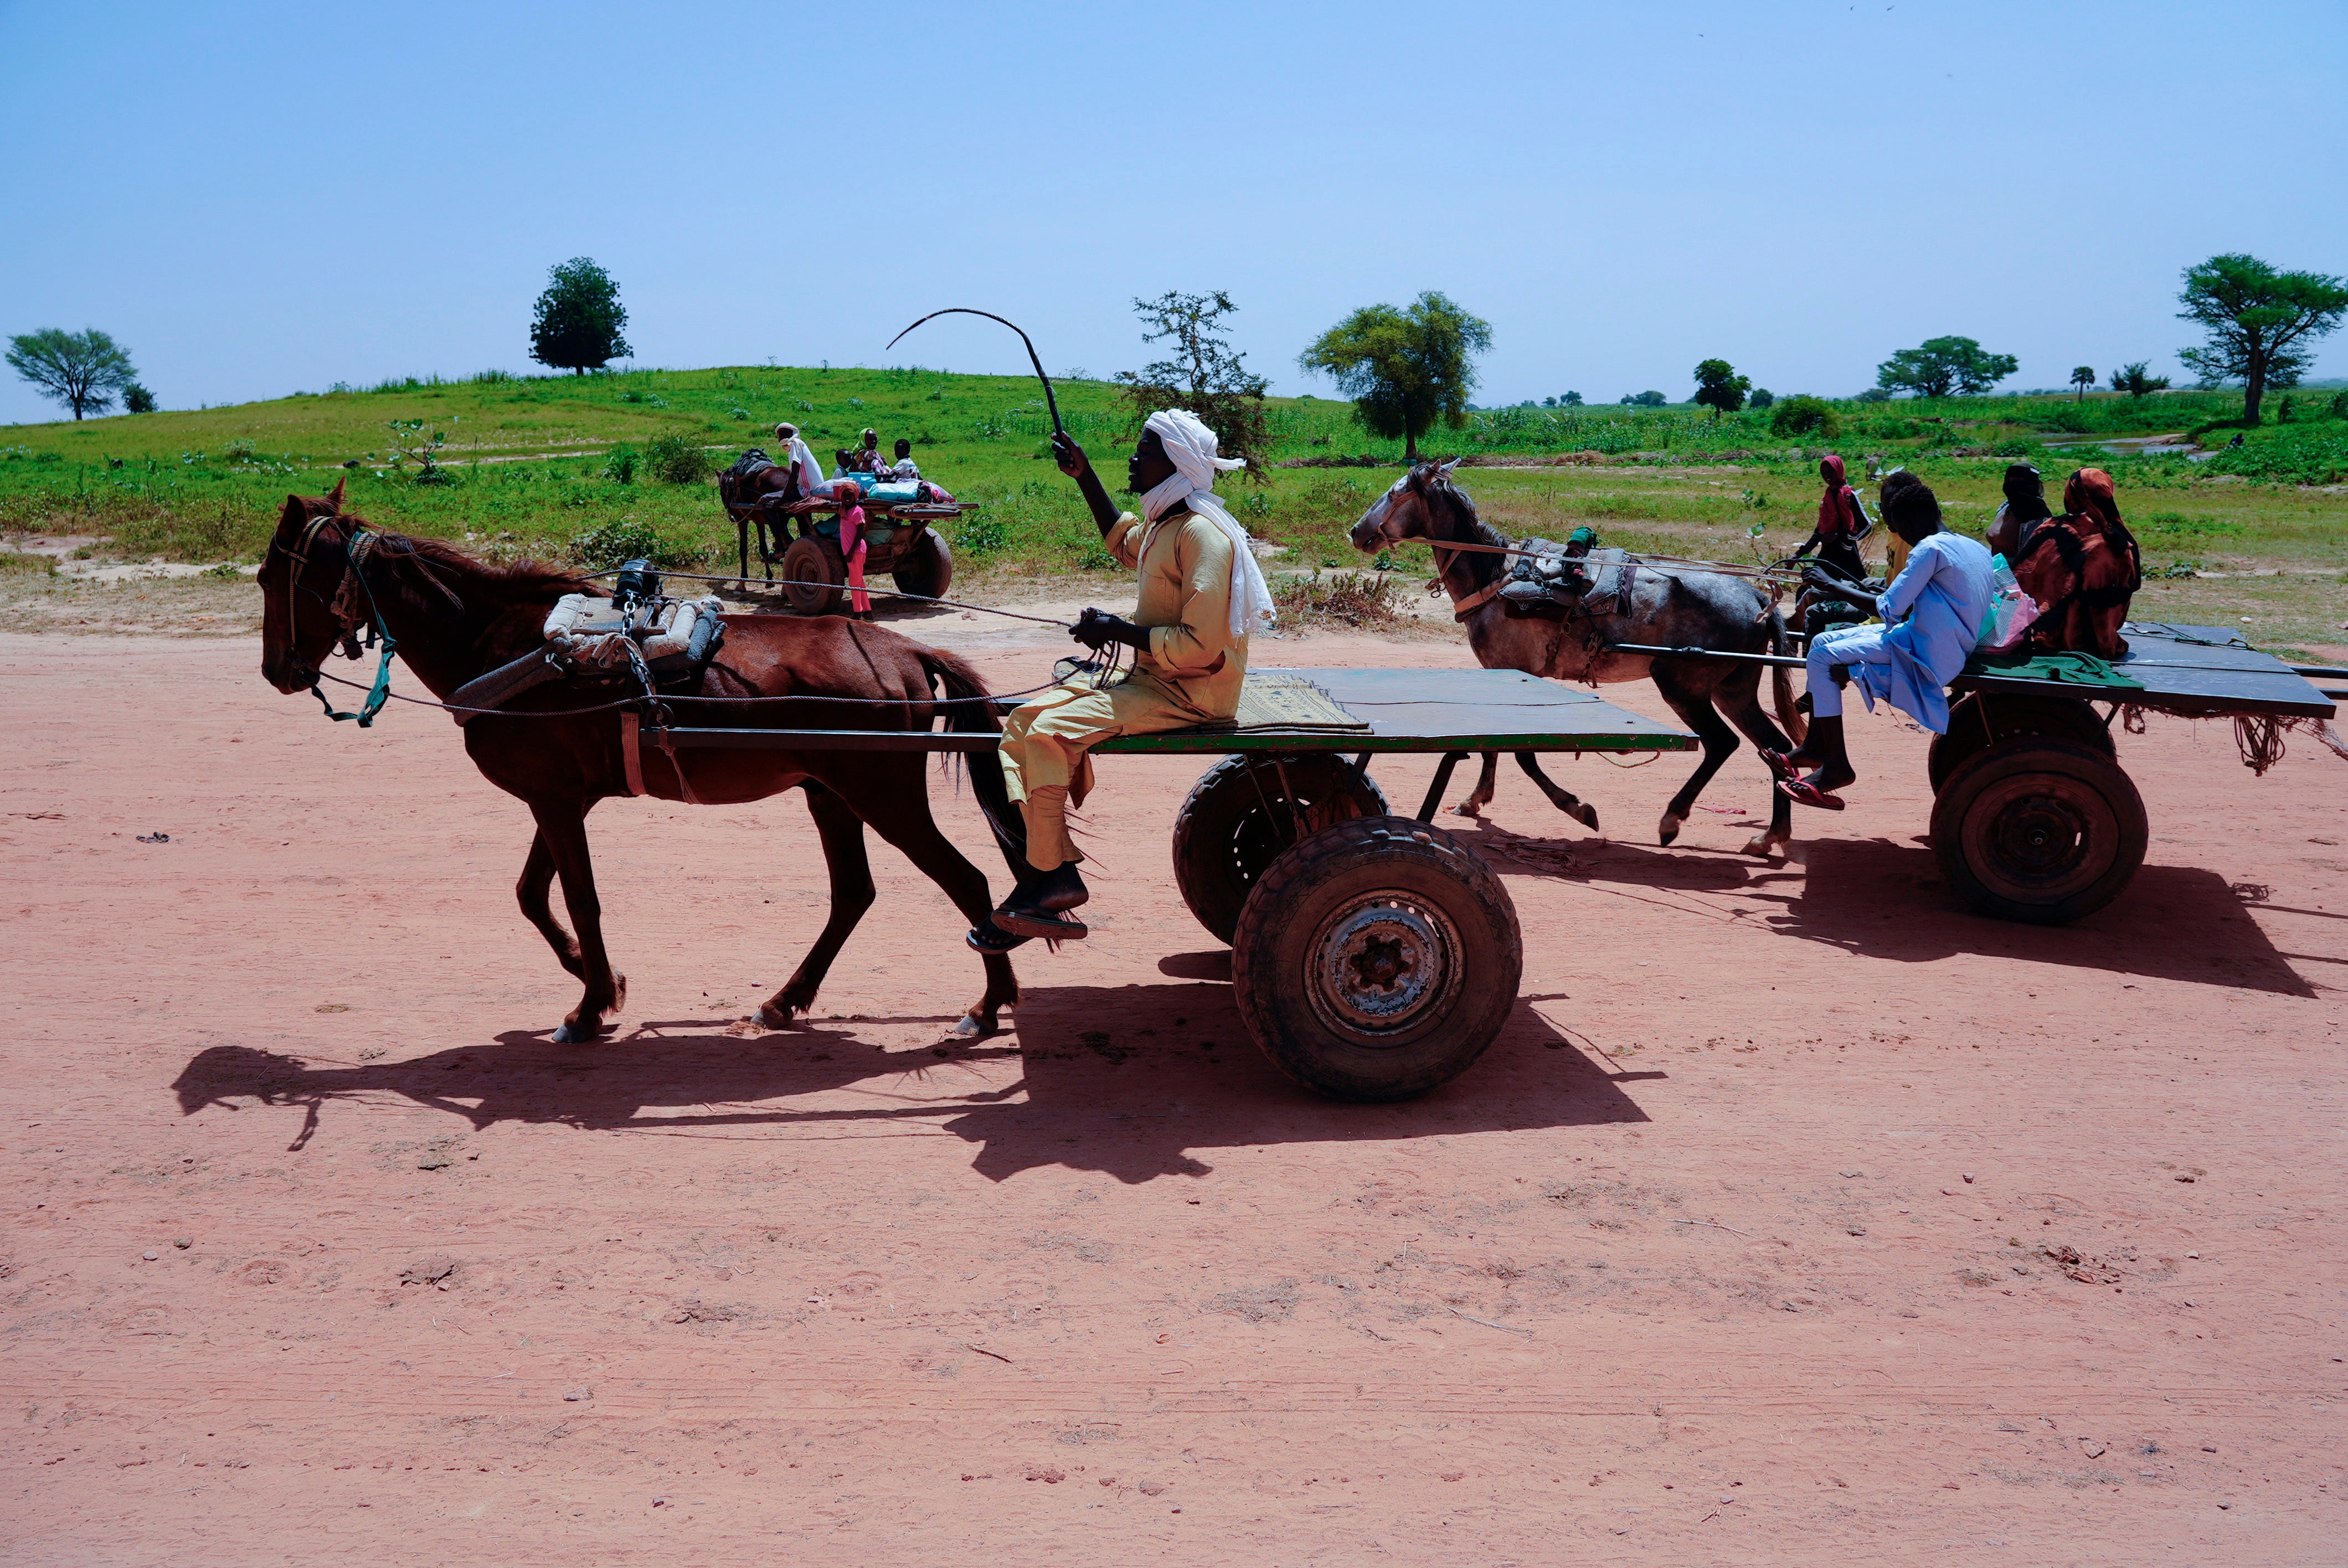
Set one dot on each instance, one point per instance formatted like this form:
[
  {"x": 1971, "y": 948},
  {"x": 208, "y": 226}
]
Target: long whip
[{"x": 1049, "y": 401}]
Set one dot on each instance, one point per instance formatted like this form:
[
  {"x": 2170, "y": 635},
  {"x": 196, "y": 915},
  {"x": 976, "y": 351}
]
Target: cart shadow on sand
[
  {"x": 1122, "y": 1080},
  {"x": 1883, "y": 899}
]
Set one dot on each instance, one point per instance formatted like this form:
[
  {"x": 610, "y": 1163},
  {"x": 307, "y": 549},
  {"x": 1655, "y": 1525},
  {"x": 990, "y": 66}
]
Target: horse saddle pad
[
  {"x": 1551, "y": 583},
  {"x": 675, "y": 638}
]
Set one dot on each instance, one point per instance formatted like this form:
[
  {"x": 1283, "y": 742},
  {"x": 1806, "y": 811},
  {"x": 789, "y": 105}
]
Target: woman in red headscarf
[
  {"x": 1842, "y": 523},
  {"x": 2082, "y": 567}
]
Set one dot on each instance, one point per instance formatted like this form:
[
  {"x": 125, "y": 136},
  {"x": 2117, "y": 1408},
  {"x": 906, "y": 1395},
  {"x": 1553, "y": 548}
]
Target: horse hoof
[
  {"x": 971, "y": 1027},
  {"x": 1466, "y": 808},
  {"x": 574, "y": 1034},
  {"x": 1765, "y": 844},
  {"x": 773, "y": 1016},
  {"x": 1589, "y": 817},
  {"x": 1669, "y": 828}
]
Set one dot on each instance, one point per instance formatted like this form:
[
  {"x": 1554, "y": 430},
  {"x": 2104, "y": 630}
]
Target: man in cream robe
[{"x": 1200, "y": 594}]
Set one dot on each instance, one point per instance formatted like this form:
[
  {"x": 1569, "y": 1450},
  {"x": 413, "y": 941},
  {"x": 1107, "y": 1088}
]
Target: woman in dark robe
[{"x": 2018, "y": 517}]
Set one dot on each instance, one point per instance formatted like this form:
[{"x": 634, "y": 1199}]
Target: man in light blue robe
[{"x": 1932, "y": 617}]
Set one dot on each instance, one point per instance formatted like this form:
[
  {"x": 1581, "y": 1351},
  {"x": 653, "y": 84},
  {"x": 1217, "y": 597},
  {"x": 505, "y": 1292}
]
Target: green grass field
[{"x": 525, "y": 463}]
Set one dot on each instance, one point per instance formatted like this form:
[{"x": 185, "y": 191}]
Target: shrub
[
  {"x": 1874, "y": 394},
  {"x": 2340, "y": 403},
  {"x": 627, "y": 538},
  {"x": 1763, "y": 397},
  {"x": 1357, "y": 598},
  {"x": 137, "y": 399},
  {"x": 980, "y": 537},
  {"x": 620, "y": 464},
  {"x": 1803, "y": 415},
  {"x": 677, "y": 459}
]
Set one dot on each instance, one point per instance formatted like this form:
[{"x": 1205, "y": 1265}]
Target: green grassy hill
[{"x": 527, "y": 466}]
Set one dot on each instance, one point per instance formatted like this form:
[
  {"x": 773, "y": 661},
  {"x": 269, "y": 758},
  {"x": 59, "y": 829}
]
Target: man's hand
[
  {"x": 1818, "y": 574},
  {"x": 1095, "y": 629},
  {"x": 1070, "y": 455}
]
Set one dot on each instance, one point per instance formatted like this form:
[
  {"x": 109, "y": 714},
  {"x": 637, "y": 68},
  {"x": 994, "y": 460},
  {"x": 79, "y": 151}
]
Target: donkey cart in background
[
  {"x": 1373, "y": 956},
  {"x": 899, "y": 539}
]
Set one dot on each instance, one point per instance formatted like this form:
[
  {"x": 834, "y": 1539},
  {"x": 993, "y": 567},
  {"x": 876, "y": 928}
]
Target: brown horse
[{"x": 455, "y": 618}]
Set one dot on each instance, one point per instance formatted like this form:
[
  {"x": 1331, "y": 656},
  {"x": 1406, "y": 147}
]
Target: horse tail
[
  {"x": 1795, "y": 724},
  {"x": 974, "y": 712}
]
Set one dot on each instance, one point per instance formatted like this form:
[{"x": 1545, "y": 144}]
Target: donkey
[
  {"x": 455, "y": 618},
  {"x": 1670, "y": 608}
]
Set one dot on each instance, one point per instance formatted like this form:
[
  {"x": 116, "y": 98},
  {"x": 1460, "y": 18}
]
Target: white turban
[
  {"x": 1191, "y": 447},
  {"x": 797, "y": 456}
]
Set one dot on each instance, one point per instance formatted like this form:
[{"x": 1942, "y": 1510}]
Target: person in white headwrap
[
  {"x": 801, "y": 461},
  {"x": 1200, "y": 594}
]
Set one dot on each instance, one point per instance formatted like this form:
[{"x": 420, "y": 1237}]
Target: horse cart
[
  {"x": 1373, "y": 956},
  {"x": 801, "y": 534}
]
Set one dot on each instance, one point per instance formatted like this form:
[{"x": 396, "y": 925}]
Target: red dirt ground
[{"x": 1736, "y": 1247}]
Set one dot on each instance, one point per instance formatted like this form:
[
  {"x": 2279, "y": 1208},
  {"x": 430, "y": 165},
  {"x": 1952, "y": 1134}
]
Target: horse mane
[
  {"x": 1481, "y": 568},
  {"x": 518, "y": 581},
  {"x": 424, "y": 571}
]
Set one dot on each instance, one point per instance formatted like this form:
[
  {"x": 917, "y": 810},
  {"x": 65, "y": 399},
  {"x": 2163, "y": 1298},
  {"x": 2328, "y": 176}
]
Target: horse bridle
[
  {"x": 344, "y": 607},
  {"x": 1446, "y": 551}
]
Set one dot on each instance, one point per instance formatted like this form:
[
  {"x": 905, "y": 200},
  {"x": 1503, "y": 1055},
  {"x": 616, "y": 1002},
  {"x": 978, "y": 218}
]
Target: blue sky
[{"x": 263, "y": 199}]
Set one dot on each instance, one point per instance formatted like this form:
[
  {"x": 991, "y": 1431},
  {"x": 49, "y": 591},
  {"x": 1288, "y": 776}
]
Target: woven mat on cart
[{"x": 1287, "y": 701}]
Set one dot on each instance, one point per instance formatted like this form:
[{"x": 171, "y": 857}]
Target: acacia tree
[
  {"x": 1719, "y": 388},
  {"x": 83, "y": 370},
  {"x": 2260, "y": 322},
  {"x": 1943, "y": 364},
  {"x": 2133, "y": 379},
  {"x": 578, "y": 320},
  {"x": 1404, "y": 369},
  {"x": 2083, "y": 376},
  {"x": 1205, "y": 374}
]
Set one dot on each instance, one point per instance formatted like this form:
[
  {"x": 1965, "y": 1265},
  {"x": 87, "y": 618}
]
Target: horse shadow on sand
[
  {"x": 1123, "y": 1081},
  {"x": 1886, "y": 900}
]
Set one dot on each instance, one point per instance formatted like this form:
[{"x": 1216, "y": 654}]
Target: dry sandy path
[{"x": 1107, "y": 1290}]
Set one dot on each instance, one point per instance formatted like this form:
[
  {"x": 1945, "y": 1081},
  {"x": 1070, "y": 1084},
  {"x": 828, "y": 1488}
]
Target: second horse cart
[{"x": 801, "y": 535}]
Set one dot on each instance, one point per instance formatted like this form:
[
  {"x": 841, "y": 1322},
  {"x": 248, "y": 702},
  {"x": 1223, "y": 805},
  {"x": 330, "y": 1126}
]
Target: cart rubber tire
[
  {"x": 2037, "y": 830},
  {"x": 2054, "y": 718},
  {"x": 1224, "y": 840},
  {"x": 1376, "y": 959},
  {"x": 928, "y": 567},
  {"x": 808, "y": 558}
]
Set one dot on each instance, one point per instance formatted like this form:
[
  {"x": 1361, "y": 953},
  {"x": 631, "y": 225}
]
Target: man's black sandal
[
  {"x": 1025, "y": 923},
  {"x": 991, "y": 940}
]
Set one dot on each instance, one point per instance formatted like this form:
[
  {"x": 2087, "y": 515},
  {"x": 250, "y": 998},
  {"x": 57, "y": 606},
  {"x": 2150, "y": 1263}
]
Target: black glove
[{"x": 1095, "y": 629}]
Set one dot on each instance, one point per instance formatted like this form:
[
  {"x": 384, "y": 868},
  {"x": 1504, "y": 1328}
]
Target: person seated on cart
[
  {"x": 806, "y": 474},
  {"x": 1932, "y": 615},
  {"x": 865, "y": 459},
  {"x": 1200, "y": 594},
  {"x": 2019, "y": 515},
  {"x": 2083, "y": 567},
  {"x": 903, "y": 469}
]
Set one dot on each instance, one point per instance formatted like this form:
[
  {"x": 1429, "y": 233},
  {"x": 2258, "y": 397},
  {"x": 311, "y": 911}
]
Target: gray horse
[{"x": 1670, "y": 607}]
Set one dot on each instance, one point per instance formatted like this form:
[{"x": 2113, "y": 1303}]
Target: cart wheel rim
[
  {"x": 2043, "y": 837},
  {"x": 1381, "y": 968}
]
